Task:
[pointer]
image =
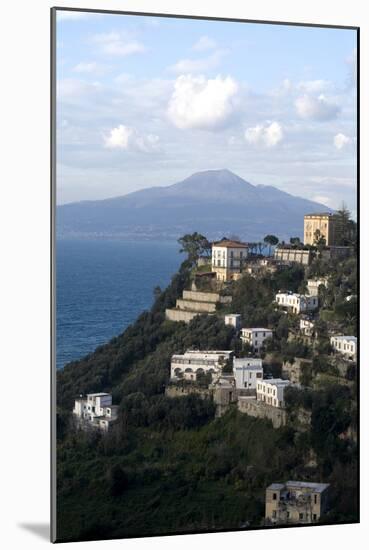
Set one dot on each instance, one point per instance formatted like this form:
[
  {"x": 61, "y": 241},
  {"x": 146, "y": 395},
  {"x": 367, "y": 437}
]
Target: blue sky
[{"x": 145, "y": 101}]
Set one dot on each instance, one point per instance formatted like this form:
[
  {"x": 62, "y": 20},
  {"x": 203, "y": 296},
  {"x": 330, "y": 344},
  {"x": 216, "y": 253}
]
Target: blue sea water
[{"x": 102, "y": 286}]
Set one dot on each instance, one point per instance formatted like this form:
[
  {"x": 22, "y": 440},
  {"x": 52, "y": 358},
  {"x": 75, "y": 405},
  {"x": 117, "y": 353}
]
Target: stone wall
[
  {"x": 199, "y": 296},
  {"x": 180, "y": 315},
  {"x": 258, "y": 409},
  {"x": 191, "y": 305},
  {"x": 180, "y": 391}
]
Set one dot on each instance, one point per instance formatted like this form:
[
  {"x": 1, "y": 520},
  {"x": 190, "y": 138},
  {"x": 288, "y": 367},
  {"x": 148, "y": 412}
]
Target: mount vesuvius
[{"x": 214, "y": 202}]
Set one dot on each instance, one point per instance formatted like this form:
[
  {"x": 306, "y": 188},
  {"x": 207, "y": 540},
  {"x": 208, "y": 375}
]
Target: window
[
  {"x": 315, "y": 517},
  {"x": 301, "y": 515},
  {"x": 315, "y": 499},
  {"x": 274, "y": 496},
  {"x": 287, "y": 515},
  {"x": 274, "y": 514}
]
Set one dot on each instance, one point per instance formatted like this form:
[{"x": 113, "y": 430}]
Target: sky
[{"x": 147, "y": 101}]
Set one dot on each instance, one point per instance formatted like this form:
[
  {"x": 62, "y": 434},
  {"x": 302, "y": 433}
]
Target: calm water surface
[{"x": 102, "y": 286}]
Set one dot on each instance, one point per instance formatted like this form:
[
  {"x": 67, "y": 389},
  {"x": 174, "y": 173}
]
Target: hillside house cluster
[
  {"x": 296, "y": 502},
  {"x": 95, "y": 411}
]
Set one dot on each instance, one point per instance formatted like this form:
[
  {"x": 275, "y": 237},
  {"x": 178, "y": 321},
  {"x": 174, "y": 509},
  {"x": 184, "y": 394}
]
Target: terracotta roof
[{"x": 227, "y": 243}]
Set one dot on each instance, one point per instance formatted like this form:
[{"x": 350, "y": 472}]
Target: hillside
[
  {"x": 169, "y": 465},
  {"x": 214, "y": 202}
]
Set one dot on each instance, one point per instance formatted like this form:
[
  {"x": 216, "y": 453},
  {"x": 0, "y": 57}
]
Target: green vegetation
[{"x": 168, "y": 465}]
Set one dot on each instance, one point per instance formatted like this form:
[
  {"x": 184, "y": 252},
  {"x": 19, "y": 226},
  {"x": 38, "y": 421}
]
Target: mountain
[{"x": 214, "y": 202}]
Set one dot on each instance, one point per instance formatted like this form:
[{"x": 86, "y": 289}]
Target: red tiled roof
[{"x": 229, "y": 244}]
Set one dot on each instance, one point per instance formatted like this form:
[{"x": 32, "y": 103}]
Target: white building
[
  {"x": 271, "y": 391},
  {"x": 255, "y": 337},
  {"x": 247, "y": 372},
  {"x": 346, "y": 345},
  {"x": 307, "y": 327},
  {"x": 233, "y": 319},
  {"x": 297, "y": 303},
  {"x": 314, "y": 284},
  {"x": 95, "y": 410},
  {"x": 195, "y": 362},
  {"x": 227, "y": 258}
]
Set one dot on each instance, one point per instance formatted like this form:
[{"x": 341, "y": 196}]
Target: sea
[{"x": 102, "y": 286}]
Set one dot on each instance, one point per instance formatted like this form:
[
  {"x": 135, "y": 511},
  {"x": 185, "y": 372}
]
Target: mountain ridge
[{"x": 213, "y": 201}]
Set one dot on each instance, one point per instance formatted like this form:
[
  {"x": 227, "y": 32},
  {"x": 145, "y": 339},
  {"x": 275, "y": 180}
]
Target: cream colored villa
[
  {"x": 194, "y": 362},
  {"x": 227, "y": 258},
  {"x": 255, "y": 337},
  {"x": 346, "y": 345},
  {"x": 296, "y": 502},
  {"x": 95, "y": 411},
  {"x": 325, "y": 224},
  {"x": 271, "y": 392},
  {"x": 297, "y": 303}
]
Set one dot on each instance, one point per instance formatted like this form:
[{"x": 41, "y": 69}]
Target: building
[
  {"x": 233, "y": 319},
  {"x": 288, "y": 254},
  {"x": 247, "y": 372},
  {"x": 314, "y": 284},
  {"x": 307, "y": 327},
  {"x": 271, "y": 392},
  {"x": 95, "y": 411},
  {"x": 297, "y": 303},
  {"x": 194, "y": 362},
  {"x": 296, "y": 502},
  {"x": 224, "y": 393},
  {"x": 346, "y": 345},
  {"x": 321, "y": 225},
  {"x": 255, "y": 337},
  {"x": 227, "y": 258}
]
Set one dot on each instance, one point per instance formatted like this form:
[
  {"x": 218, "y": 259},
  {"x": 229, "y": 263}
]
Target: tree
[
  {"x": 195, "y": 245},
  {"x": 345, "y": 227},
  {"x": 295, "y": 241},
  {"x": 271, "y": 240}
]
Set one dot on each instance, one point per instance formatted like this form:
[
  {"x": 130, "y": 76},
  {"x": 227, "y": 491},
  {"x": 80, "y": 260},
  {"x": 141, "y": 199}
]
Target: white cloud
[
  {"x": 198, "y": 65},
  {"x": 201, "y": 103},
  {"x": 85, "y": 67},
  {"x": 204, "y": 43},
  {"x": 340, "y": 141},
  {"x": 129, "y": 139},
  {"x": 316, "y": 108},
  {"x": 269, "y": 134},
  {"x": 314, "y": 86},
  {"x": 323, "y": 199},
  {"x": 72, "y": 88},
  {"x": 114, "y": 43}
]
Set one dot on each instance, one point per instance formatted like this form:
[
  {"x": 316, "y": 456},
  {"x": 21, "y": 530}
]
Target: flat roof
[
  {"x": 258, "y": 329},
  {"x": 101, "y": 394},
  {"x": 319, "y": 214},
  {"x": 348, "y": 338},
  {"x": 308, "y": 485},
  {"x": 233, "y": 315},
  {"x": 318, "y": 487}
]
